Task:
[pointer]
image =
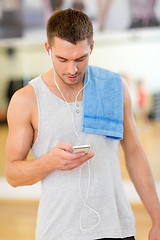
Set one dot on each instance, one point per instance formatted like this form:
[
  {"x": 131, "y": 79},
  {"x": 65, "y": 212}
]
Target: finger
[
  {"x": 78, "y": 162},
  {"x": 65, "y": 147},
  {"x": 86, "y": 157},
  {"x": 74, "y": 156},
  {"x": 79, "y": 156}
]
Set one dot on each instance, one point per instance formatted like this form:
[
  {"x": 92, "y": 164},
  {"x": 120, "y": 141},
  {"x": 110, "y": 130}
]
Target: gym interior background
[{"x": 123, "y": 43}]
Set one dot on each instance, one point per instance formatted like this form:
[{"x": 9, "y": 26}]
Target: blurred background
[{"x": 127, "y": 40}]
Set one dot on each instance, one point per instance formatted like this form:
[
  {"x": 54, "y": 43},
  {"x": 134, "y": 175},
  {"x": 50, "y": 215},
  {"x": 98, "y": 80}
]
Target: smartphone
[{"x": 82, "y": 148}]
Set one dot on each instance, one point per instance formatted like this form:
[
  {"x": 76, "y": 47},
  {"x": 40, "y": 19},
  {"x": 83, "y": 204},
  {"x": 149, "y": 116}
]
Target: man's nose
[{"x": 73, "y": 68}]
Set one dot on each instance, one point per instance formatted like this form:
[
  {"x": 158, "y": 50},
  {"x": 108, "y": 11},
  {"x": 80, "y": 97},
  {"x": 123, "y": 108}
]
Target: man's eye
[
  {"x": 62, "y": 60},
  {"x": 80, "y": 59}
]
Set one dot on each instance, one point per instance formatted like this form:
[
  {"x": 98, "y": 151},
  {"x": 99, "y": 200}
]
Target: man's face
[{"x": 70, "y": 61}]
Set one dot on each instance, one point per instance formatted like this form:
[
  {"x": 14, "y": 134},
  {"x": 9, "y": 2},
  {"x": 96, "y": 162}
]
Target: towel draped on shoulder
[{"x": 103, "y": 103}]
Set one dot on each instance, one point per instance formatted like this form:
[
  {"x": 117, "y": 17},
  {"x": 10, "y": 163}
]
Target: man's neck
[{"x": 69, "y": 91}]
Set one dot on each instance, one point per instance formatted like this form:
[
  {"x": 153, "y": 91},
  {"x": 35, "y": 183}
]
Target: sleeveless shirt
[{"x": 60, "y": 204}]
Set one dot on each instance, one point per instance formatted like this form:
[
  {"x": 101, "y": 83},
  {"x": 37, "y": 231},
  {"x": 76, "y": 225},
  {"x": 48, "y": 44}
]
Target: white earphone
[
  {"x": 50, "y": 53},
  {"x": 85, "y": 204}
]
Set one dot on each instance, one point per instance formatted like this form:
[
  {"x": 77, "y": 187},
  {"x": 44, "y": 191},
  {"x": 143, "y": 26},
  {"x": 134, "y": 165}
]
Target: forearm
[
  {"x": 24, "y": 172},
  {"x": 21, "y": 172},
  {"x": 141, "y": 176}
]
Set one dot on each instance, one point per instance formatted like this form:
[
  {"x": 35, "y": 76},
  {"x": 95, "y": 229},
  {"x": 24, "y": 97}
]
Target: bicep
[{"x": 20, "y": 133}]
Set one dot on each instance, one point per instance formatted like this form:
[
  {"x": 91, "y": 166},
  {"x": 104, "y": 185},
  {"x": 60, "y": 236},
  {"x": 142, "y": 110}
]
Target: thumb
[{"x": 65, "y": 146}]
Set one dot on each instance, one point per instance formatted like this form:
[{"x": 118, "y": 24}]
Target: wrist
[
  {"x": 46, "y": 161},
  {"x": 156, "y": 217}
]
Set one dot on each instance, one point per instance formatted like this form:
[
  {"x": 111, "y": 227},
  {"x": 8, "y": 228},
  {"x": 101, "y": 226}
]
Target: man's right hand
[
  {"x": 18, "y": 171},
  {"x": 62, "y": 158}
]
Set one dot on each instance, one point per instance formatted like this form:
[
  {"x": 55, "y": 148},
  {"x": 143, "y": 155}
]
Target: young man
[{"x": 82, "y": 194}]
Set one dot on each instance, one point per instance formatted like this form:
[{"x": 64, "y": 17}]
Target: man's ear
[
  {"x": 47, "y": 47},
  {"x": 91, "y": 47}
]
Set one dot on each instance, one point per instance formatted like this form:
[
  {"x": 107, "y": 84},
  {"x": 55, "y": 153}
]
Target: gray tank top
[{"x": 60, "y": 203}]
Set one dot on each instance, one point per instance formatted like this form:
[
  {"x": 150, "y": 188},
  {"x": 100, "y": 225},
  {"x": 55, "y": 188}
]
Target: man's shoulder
[
  {"x": 27, "y": 92},
  {"x": 24, "y": 93},
  {"x": 100, "y": 72},
  {"x": 35, "y": 80},
  {"x": 24, "y": 98}
]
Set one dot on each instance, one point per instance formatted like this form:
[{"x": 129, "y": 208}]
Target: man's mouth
[{"x": 71, "y": 77}]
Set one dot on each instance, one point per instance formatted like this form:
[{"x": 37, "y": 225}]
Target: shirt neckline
[{"x": 53, "y": 94}]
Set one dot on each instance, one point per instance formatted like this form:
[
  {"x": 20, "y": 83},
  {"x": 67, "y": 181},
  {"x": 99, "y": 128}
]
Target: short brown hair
[{"x": 71, "y": 25}]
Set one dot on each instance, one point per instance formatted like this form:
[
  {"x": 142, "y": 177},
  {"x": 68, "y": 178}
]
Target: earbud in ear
[{"x": 50, "y": 53}]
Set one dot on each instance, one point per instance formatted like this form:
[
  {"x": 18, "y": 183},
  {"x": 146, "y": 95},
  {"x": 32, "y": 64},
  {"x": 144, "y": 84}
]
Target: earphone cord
[{"x": 89, "y": 172}]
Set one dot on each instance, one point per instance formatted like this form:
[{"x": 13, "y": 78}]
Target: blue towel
[{"x": 103, "y": 103}]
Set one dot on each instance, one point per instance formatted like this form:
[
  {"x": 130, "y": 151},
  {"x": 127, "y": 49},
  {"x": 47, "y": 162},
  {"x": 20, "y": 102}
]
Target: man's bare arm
[
  {"x": 138, "y": 167},
  {"x": 20, "y": 172}
]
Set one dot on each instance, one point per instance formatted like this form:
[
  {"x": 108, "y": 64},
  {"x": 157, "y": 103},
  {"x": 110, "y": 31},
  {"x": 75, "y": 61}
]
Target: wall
[{"x": 134, "y": 52}]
